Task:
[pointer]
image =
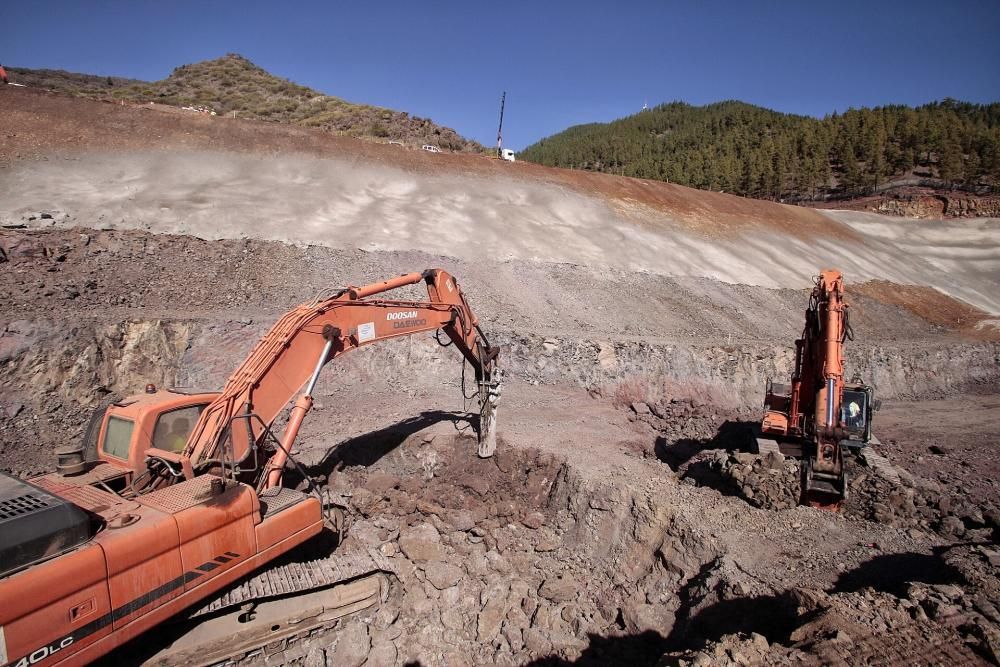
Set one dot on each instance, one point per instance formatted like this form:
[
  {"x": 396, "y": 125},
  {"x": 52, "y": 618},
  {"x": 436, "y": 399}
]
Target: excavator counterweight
[{"x": 175, "y": 503}]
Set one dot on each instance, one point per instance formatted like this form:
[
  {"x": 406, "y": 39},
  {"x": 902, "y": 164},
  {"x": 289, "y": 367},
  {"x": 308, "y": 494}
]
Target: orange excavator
[
  {"x": 181, "y": 503},
  {"x": 818, "y": 415}
]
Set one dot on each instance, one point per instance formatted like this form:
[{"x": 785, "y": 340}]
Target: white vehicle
[
  {"x": 431, "y": 149},
  {"x": 507, "y": 154}
]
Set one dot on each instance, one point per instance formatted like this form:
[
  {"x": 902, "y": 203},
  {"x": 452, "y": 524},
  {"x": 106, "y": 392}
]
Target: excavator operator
[
  {"x": 178, "y": 435},
  {"x": 853, "y": 418}
]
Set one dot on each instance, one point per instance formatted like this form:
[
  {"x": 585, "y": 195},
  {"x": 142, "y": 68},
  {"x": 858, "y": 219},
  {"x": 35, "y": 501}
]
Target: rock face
[
  {"x": 609, "y": 551},
  {"x": 83, "y": 319},
  {"x": 937, "y": 206}
]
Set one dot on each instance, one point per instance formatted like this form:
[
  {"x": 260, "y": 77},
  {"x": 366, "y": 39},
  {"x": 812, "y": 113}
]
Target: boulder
[
  {"x": 21, "y": 247},
  {"x": 560, "y": 588},
  {"x": 421, "y": 543},
  {"x": 493, "y": 612},
  {"x": 351, "y": 647},
  {"x": 461, "y": 520},
  {"x": 952, "y": 525},
  {"x": 383, "y": 653},
  {"x": 642, "y": 617},
  {"x": 315, "y": 658},
  {"x": 443, "y": 575},
  {"x": 536, "y": 642}
]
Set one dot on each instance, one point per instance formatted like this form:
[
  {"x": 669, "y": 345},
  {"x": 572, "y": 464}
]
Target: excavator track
[
  {"x": 271, "y": 612},
  {"x": 874, "y": 460},
  {"x": 292, "y": 578}
]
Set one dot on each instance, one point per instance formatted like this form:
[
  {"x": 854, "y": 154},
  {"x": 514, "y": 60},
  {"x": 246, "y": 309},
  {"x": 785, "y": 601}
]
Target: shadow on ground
[
  {"x": 367, "y": 449},
  {"x": 732, "y": 435},
  {"x": 772, "y": 616},
  {"x": 639, "y": 649},
  {"x": 892, "y": 572}
]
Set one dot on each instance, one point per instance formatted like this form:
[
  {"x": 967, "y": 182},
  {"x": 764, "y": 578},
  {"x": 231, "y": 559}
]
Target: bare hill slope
[
  {"x": 233, "y": 84},
  {"x": 214, "y": 177}
]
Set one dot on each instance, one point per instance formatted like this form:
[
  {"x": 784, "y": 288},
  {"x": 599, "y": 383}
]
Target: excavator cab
[
  {"x": 856, "y": 409},
  {"x": 777, "y": 407},
  {"x": 160, "y": 419}
]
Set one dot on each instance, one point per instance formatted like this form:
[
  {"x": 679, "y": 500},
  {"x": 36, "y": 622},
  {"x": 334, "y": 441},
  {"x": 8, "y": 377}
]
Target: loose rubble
[{"x": 662, "y": 541}]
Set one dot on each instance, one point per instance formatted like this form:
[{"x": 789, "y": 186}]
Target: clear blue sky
[{"x": 561, "y": 63}]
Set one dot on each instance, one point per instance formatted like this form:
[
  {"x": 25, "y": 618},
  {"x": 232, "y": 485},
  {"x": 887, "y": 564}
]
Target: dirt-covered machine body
[
  {"x": 181, "y": 498},
  {"x": 129, "y": 564},
  {"x": 818, "y": 413}
]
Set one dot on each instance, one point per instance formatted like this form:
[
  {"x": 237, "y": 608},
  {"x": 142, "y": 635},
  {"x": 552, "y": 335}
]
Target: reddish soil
[{"x": 930, "y": 305}]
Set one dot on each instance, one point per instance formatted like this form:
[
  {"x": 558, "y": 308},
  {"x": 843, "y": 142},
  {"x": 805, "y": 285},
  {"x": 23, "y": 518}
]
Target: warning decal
[{"x": 366, "y": 332}]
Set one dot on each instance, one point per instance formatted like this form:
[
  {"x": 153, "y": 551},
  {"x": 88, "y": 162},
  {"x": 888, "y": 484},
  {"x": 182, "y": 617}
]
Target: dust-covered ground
[{"x": 623, "y": 520}]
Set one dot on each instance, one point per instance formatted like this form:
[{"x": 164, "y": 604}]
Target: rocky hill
[
  {"x": 753, "y": 151},
  {"x": 234, "y": 84}
]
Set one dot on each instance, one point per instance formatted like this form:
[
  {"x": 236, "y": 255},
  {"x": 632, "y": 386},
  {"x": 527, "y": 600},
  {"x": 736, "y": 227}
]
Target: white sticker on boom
[
  {"x": 447, "y": 284},
  {"x": 3, "y": 648},
  {"x": 366, "y": 332}
]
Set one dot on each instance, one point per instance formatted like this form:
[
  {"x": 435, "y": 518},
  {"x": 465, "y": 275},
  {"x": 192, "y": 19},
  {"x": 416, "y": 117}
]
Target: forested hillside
[
  {"x": 748, "y": 150},
  {"x": 234, "y": 84}
]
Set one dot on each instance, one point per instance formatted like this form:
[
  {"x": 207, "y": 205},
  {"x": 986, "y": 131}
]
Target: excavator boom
[{"x": 290, "y": 356}]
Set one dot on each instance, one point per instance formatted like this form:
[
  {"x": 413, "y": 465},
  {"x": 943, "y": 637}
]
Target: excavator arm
[
  {"x": 809, "y": 413},
  {"x": 289, "y": 358},
  {"x": 825, "y": 476}
]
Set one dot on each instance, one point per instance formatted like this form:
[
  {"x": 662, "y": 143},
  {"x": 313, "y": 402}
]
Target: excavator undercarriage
[{"x": 268, "y": 613}]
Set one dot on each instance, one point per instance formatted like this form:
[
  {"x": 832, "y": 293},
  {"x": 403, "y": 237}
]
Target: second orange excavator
[
  {"x": 818, "y": 415},
  {"x": 182, "y": 502}
]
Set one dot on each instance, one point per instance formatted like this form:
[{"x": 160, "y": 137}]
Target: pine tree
[{"x": 949, "y": 161}]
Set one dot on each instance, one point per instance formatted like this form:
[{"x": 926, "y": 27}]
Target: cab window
[
  {"x": 117, "y": 437},
  {"x": 173, "y": 428}
]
